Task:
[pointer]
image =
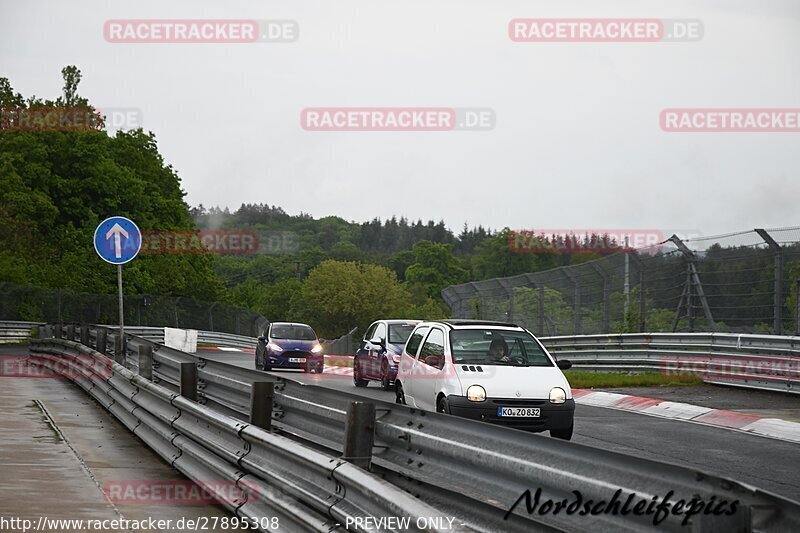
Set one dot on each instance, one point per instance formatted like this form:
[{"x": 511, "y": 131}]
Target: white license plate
[
  {"x": 532, "y": 412},
  {"x": 297, "y": 359}
]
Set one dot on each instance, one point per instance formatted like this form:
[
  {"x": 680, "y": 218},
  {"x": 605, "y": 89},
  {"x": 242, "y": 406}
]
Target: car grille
[
  {"x": 518, "y": 402},
  {"x": 296, "y": 354}
]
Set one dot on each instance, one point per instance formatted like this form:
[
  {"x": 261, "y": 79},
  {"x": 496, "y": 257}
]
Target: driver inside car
[{"x": 498, "y": 350}]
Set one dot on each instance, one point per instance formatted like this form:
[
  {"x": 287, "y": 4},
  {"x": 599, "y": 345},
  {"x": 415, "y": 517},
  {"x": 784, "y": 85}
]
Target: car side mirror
[
  {"x": 262, "y": 339},
  {"x": 379, "y": 342},
  {"x": 564, "y": 364},
  {"x": 322, "y": 340}
]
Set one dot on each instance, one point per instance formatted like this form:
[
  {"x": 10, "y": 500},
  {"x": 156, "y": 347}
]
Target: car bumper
[
  {"x": 278, "y": 361},
  {"x": 551, "y": 416}
]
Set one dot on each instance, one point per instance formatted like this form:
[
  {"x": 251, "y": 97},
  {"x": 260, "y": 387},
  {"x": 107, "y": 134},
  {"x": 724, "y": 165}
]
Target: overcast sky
[{"x": 577, "y": 141}]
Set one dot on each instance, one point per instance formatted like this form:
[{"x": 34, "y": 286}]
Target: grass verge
[{"x": 587, "y": 380}]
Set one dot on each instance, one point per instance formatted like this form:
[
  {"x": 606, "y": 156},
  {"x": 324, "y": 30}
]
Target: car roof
[
  {"x": 399, "y": 321},
  {"x": 459, "y": 322},
  {"x": 289, "y": 324}
]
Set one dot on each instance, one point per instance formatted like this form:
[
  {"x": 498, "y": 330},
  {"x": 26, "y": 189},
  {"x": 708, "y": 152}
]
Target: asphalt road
[{"x": 767, "y": 463}]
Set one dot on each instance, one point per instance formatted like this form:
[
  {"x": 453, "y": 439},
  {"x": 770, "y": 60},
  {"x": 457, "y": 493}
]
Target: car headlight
[
  {"x": 316, "y": 349},
  {"x": 476, "y": 393},
  {"x": 557, "y": 395},
  {"x": 274, "y": 347}
]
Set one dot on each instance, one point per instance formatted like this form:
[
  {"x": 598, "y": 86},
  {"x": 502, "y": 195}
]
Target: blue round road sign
[{"x": 117, "y": 240}]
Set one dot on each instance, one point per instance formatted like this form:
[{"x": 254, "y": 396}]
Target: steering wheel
[{"x": 518, "y": 359}]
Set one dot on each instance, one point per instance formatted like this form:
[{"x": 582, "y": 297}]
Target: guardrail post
[
  {"x": 261, "y": 397},
  {"x": 359, "y": 434},
  {"x": 119, "y": 349},
  {"x": 146, "y": 361},
  {"x": 85, "y": 335},
  {"x": 188, "y": 380},
  {"x": 101, "y": 344},
  {"x": 71, "y": 332},
  {"x": 58, "y": 331}
]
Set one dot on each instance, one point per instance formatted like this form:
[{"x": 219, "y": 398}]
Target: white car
[{"x": 491, "y": 371}]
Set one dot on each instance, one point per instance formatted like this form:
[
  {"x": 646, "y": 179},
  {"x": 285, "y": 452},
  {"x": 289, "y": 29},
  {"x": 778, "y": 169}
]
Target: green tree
[{"x": 435, "y": 267}]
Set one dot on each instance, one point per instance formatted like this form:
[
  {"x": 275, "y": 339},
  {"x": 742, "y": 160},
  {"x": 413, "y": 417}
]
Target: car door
[
  {"x": 362, "y": 356},
  {"x": 375, "y": 351},
  {"x": 408, "y": 363},
  {"x": 430, "y": 363}
]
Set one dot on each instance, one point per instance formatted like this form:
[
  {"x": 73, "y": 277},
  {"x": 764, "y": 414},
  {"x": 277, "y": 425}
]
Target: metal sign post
[{"x": 117, "y": 240}]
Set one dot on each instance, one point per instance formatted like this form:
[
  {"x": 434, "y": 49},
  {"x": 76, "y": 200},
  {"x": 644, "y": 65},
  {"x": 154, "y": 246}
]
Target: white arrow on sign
[{"x": 116, "y": 231}]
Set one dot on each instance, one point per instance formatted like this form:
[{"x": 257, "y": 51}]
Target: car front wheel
[
  {"x": 442, "y": 407},
  {"x": 399, "y": 396},
  {"x": 385, "y": 376},
  {"x": 357, "y": 376}
]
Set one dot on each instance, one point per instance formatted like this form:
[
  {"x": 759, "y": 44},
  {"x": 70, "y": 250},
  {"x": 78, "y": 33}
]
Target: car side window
[
  {"x": 380, "y": 332},
  {"x": 415, "y": 340},
  {"x": 432, "y": 352},
  {"x": 368, "y": 335}
]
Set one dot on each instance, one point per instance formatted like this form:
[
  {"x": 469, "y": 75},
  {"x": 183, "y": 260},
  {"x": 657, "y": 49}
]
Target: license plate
[
  {"x": 532, "y": 412},
  {"x": 297, "y": 359}
]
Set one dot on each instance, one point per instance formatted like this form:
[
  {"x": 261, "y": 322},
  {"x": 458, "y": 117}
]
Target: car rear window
[{"x": 399, "y": 333}]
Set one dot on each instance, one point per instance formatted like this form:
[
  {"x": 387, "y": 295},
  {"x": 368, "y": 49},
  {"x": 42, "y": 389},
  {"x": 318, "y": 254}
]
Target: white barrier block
[{"x": 184, "y": 340}]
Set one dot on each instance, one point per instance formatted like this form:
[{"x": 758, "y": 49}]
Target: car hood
[
  {"x": 290, "y": 344},
  {"x": 531, "y": 382}
]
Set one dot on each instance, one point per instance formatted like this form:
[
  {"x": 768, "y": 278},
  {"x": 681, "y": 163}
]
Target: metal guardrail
[
  {"x": 306, "y": 489},
  {"x": 753, "y": 361},
  {"x": 475, "y": 471},
  {"x": 14, "y": 331}
]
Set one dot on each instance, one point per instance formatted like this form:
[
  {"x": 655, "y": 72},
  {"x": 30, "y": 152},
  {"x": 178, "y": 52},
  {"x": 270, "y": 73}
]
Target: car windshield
[
  {"x": 496, "y": 347},
  {"x": 293, "y": 332},
  {"x": 399, "y": 333}
]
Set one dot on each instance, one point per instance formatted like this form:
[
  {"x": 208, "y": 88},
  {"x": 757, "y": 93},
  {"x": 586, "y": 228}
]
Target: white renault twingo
[{"x": 491, "y": 371}]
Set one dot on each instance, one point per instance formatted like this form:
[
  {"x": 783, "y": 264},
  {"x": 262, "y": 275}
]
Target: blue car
[
  {"x": 378, "y": 354},
  {"x": 290, "y": 345}
]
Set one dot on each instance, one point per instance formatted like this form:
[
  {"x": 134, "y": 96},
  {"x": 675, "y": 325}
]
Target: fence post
[
  {"x": 541, "y": 310},
  {"x": 642, "y": 310},
  {"x": 797, "y": 310},
  {"x": 359, "y": 434},
  {"x": 70, "y": 332},
  {"x": 146, "y": 361},
  {"x": 85, "y": 335},
  {"x": 693, "y": 281},
  {"x": 261, "y": 397},
  {"x": 58, "y": 331},
  {"x": 100, "y": 341},
  {"x": 188, "y": 380},
  {"x": 778, "y": 285}
]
